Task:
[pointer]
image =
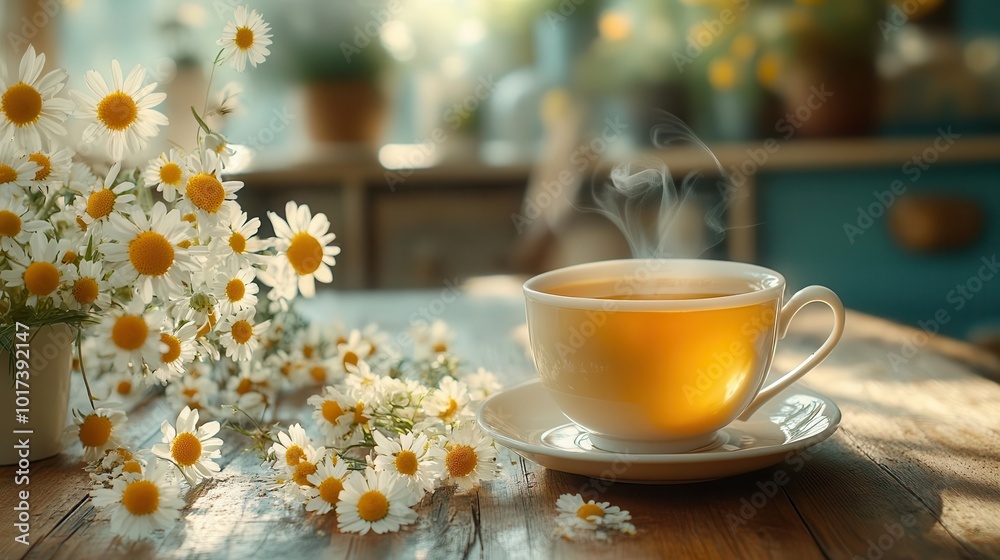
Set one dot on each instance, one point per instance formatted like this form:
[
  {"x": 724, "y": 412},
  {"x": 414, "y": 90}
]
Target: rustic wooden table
[{"x": 913, "y": 472}]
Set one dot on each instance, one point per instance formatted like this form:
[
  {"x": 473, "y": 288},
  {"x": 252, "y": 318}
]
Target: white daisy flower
[
  {"x": 194, "y": 390},
  {"x": 39, "y": 270},
  {"x": 234, "y": 240},
  {"x": 250, "y": 391},
  {"x": 89, "y": 289},
  {"x": 169, "y": 173},
  {"x": 362, "y": 382},
  {"x": 327, "y": 484},
  {"x": 576, "y": 515},
  {"x": 468, "y": 457},
  {"x": 481, "y": 384},
  {"x": 292, "y": 447},
  {"x": 148, "y": 250},
  {"x": 177, "y": 351},
  {"x": 319, "y": 372},
  {"x": 122, "y": 114},
  {"x": 81, "y": 178},
  {"x": 217, "y": 143},
  {"x": 16, "y": 170},
  {"x": 29, "y": 108},
  {"x": 375, "y": 501},
  {"x": 205, "y": 194},
  {"x": 235, "y": 289},
  {"x": 119, "y": 386},
  {"x": 96, "y": 431},
  {"x": 140, "y": 504},
  {"x": 431, "y": 340},
  {"x": 450, "y": 402},
  {"x": 306, "y": 459},
  {"x": 99, "y": 202},
  {"x": 331, "y": 413},
  {"x": 116, "y": 462},
  {"x": 191, "y": 447},
  {"x": 53, "y": 168},
  {"x": 353, "y": 349},
  {"x": 302, "y": 251},
  {"x": 131, "y": 337},
  {"x": 238, "y": 334},
  {"x": 410, "y": 457},
  {"x": 378, "y": 341},
  {"x": 15, "y": 227},
  {"x": 245, "y": 38}
]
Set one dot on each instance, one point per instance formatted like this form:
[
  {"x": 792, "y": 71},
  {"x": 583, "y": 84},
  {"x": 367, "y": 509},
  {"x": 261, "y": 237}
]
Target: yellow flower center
[
  {"x": 308, "y": 351},
  {"x": 235, "y": 289},
  {"x": 440, "y": 348},
  {"x": 129, "y": 332},
  {"x": 10, "y": 223},
  {"x": 244, "y": 386},
  {"x": 186, "y": 449},
  {"x": 190, "y": 396},
  {"x": 461, "y": 460},
  {"x": 141, "y": 497},
  {"x": 332, "y": 411},
  {"x": 7, "y": 174},
  {"x": 95, "y": 431},
  {"x": 359, "y": 413},
  {"x": 305, "y": 254},
  {"x": 186, "y": 244},
  {"x": 100, "y": 203},
  {"x": 451, "y": 408},
  {"x": 125, "y": 454},
  {"x": 318, "y": 373},
  {"x": 21, "y": 104},
  {"x": 208, "y": 326},
  {"x": 173, "y": 348},
  {"x": 294, "y": 454},
  {"x": 117, "y": 111},
  {"x": 372, "y": 506},
  {"x": 242, "y": 331},
  {"x": 132, "y": 467},
  {"x": 302, "y": 472},
  {"x": 206, "y": 192},
  {"x": 406, "y": 463},
  {"x": 41, "y": 278},
  {"x": 68, "y": 257},
  {"x": 190, "y": 218},
  {"x": 170, "y": 173},
  {"x": 124, "y": 387},
  {"x": 151, "y": 254},
  {"x": 350, "y": 358},
  {"x": 44, "y": 164},
  {"x": 244, "y": 38},
  {"x": 85, "y": 291},
  {"x": 329, "y": 489},
  {"x": 81, "y": 224},
  {"x": 237, "y": 242},
  {"x": 588, "y": 510}
]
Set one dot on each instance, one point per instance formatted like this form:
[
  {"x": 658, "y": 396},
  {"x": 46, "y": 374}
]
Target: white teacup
[{"x": 656, "y": 355}]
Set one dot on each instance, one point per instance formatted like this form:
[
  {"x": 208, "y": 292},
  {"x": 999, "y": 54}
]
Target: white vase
[{"x": 50, "y": 358}]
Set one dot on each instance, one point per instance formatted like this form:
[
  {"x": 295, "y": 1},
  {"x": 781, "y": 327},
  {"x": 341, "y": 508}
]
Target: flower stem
[{"x": 83, "y": 370}]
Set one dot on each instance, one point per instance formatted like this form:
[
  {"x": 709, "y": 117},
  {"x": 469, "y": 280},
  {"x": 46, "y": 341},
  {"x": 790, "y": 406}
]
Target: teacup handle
[{"x": 804, "y": 296}]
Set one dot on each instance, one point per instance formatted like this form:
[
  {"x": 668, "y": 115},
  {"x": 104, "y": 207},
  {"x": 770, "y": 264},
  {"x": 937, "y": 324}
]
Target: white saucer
[{"x": 525, "y": 419}]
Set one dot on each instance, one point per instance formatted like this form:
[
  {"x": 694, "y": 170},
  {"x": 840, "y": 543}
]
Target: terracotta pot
[
  {"x": 44, "y": 393},
  {"x": 345, "y": 112}
]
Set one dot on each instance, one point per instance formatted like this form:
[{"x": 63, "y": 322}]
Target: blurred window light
[
  {"x": 470, "y": 32},
  {"x": 398, "y": 40},
  {"x": 409, "y": 156},
  {"x": 454, "y": 66},
  {"x": 192, "y": 14}
]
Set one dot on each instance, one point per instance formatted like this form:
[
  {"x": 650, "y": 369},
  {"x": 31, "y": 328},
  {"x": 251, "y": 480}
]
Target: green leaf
[{"x": 201, "y": 123}]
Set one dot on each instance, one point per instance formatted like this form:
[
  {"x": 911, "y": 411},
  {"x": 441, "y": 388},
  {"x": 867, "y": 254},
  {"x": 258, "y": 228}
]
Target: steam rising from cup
[{"x": 658, "y": 217}]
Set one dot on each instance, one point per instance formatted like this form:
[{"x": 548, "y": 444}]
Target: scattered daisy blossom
[
  {"x": 96, "y": 431},
  {"x": 189, "y": 446},
  {"x": 140, "y": 504},
  {"x": 468, "y": 457},
  {"x": 327, "y": 484},
  {"x": 601, "y": 518},
  {"x": 410, "y": 457},
  {"x": 307, "y": 257},
  {"x": 375, "y": 501}
]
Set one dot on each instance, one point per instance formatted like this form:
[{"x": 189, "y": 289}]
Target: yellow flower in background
[
  {"x": 722, "y": 73},
  {"x": 122, "y": 115},
  {"x": 769, "y": 69},
  {"x": 245, "y": 39},
  {"x": 29, "y": 108}
]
